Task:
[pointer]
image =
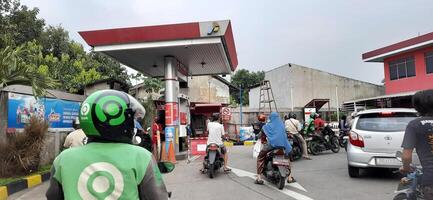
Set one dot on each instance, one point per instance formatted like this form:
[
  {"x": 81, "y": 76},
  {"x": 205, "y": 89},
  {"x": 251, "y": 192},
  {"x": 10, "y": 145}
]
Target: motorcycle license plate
[
  {"x": 388, "y": 161},
  {"x": 280, "y": 160}
]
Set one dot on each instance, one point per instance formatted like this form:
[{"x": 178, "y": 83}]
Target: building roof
[
  {"x": 24, "y": 89},
  {"x": 380, "y": 54},
  {"x": 200, "y": 48},
  {"x": 223, "y": 80},
  {"x": 403, "y": 94},
  {"x": 300, "y": 66}
]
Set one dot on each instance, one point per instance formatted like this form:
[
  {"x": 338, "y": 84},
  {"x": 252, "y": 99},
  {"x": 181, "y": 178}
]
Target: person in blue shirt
[{"x": 276, "y": 137}]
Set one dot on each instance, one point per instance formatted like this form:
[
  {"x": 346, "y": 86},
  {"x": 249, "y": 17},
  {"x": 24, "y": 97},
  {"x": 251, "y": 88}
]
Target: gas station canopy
[{"x": 201, "y": 48}]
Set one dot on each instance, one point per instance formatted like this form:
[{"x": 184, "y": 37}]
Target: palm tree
[{"x": 14, "y": 70}]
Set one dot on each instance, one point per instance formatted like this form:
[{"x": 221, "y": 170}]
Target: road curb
[{"x": 22, "y": 184}]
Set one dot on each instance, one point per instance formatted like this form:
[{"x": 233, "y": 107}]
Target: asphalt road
[{"x": 324, "y": 177}]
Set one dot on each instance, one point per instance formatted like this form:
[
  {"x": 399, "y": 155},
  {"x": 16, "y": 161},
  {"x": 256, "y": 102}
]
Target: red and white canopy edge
[{"x": 200, "y": 48}]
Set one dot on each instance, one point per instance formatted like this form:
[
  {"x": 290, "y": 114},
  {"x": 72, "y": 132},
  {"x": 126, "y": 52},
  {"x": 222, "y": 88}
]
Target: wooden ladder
[{"x": 266, "y": 97}]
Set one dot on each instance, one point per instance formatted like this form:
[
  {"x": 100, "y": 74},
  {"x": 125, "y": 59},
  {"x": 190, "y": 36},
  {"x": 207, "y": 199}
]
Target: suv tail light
[{"x": 355, "y": 139}]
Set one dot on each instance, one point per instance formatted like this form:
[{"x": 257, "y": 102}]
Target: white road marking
[
  {"x": 297, "y": 186},
  {"x": 243, "y": 173}
]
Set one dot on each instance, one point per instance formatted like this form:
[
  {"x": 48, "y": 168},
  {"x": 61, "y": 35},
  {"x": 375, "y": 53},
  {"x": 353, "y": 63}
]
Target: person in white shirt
[
  {"x": 215, "y": 136},
  {"x": 293, "y": 126},
  {"x": 77, "y": 137}
]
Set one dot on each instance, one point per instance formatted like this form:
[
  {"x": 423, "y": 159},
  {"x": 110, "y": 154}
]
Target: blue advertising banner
[{"x": 59, "y": 113}]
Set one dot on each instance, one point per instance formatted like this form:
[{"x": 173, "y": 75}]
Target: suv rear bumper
[{"x": 356, "y": 157}]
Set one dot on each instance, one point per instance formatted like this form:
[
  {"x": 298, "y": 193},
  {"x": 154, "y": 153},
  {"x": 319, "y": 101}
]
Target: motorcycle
[
  {"x": 328, "y": 141},
  {"x": 296, "y": 147},
  {"x": 277, "y": 167},
  {"x": 213, "y": 160},
  {"x": 343, "y": 139},
  {"x": 410, "y": 185}
]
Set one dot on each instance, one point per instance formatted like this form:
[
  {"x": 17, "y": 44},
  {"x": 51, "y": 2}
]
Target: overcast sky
[{"x": 322, "y": 34}]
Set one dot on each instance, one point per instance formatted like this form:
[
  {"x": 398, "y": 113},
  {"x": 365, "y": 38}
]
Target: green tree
[
  {"x": 19, "y": 24},
  {"x": 55, "y": 41},
  {"x": 14, "y": 70},
  {"x": 245, "y": 79},
  {"x": 51, "y": 48}
]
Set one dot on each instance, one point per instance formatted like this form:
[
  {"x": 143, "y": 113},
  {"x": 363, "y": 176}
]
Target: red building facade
[{"x": 408, "y": 65}]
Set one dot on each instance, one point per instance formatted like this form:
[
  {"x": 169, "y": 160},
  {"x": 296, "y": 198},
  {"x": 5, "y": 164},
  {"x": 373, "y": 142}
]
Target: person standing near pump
[
  {"x": 293, "y": 126},
  {"x": 156, "y": 138},
  {"x": 419, "y": 136},
  {"x": 77, "y": 137},
  {"x": 109, "y": 166}
]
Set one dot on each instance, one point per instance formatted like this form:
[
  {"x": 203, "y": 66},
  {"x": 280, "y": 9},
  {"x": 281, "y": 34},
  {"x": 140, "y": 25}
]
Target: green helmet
[{"x": 109, "y": 115}]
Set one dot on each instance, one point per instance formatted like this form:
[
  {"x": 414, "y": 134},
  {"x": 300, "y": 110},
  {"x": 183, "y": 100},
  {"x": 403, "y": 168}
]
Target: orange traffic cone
[{"x": 171, "y": 154}]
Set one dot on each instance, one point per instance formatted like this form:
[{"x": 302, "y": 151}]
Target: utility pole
[
  {"x": 209, "y": 90},
  {"x": 240, "y": 102},
  {"x": 338, "y": 104}
]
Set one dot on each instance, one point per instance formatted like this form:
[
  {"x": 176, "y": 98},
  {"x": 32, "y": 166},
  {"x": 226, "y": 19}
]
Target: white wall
[{"x": 307, "y": 84}]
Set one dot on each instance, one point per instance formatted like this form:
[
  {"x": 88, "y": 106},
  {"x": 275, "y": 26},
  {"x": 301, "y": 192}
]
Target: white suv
[{"x": 375, "y": 137}]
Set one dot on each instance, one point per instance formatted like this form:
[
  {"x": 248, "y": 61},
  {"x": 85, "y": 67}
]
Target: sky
[{"x": 321, "y": 34}]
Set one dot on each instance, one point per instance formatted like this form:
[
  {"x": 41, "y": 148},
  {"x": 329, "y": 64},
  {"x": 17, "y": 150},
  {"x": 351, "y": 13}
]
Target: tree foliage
[
  {"x": 245, "y": 79},
  {"x": 49, "y": 51},
  {"x": 22, "y": 66}
]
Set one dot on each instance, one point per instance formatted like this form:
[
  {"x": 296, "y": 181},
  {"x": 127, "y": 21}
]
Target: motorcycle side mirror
[
  {"x": 398, "y": 155},
  {"x": 165, "y": 167},
  {"x": 136, "y": 140}
]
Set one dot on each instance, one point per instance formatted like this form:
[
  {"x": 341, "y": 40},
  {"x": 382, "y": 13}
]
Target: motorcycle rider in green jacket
[
  {"x": 109, "y": 166},
  {"x": 309, "y": 125}
]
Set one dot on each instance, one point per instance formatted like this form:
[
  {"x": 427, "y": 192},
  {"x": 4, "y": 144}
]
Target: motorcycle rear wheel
[
  {"x": 314, "y": 148},
  {"x": 401, "y": 196},
  {"x": 281, "y": 182},
  {"x": 211, "y": 171},
  {"x": 335, "y": 146}
]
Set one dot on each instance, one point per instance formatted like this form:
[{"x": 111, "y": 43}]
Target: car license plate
[
  {"x": 280, "y": 160},
  {"x": 388, "y": 161}
]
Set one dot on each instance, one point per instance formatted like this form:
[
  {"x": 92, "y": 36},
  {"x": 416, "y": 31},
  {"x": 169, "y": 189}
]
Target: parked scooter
[
  {"x": 410, "y": 185},
  {"x": 277, "y": 167},
  {"x": 328, "y": 141},
  {"x": 213, "y": 160},
  {"x": 296, "y": 147}
]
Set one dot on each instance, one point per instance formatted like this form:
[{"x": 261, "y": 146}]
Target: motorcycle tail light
[
  {"x": 279, "y": 152},
  {"x": 355, "y": 139}
]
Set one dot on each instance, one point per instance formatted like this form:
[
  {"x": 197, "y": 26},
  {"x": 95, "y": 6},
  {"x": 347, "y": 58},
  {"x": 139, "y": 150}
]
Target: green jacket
[
  {"x": 309, "y": 127},
  {"x": 106, "y": 170}
]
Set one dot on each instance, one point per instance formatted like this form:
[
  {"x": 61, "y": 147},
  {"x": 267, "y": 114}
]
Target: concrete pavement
[{"x": 324, "y": 177}]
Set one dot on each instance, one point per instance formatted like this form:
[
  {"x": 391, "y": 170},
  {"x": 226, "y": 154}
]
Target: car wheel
[{"x": 353, "y": 171}]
